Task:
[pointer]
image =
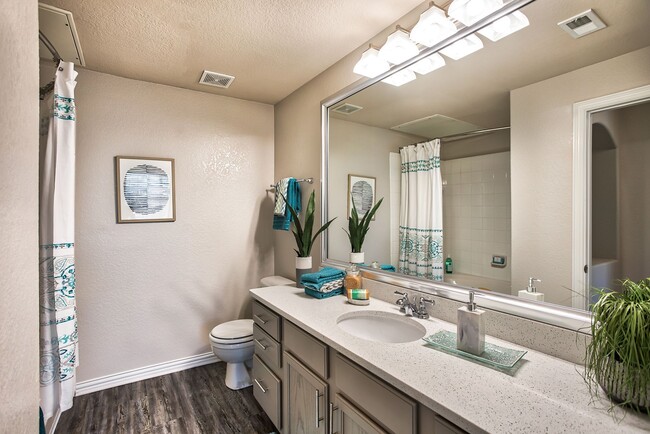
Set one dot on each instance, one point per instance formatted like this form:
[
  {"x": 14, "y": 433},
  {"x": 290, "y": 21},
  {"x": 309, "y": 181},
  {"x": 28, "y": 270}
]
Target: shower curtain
[
  {"x": 58, "y": 316},
  {"x": 420, "y": 231}
]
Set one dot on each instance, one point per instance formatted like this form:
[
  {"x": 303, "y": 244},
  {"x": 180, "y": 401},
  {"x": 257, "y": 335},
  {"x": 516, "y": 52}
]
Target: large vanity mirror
[{"x": 521, "y": 164}]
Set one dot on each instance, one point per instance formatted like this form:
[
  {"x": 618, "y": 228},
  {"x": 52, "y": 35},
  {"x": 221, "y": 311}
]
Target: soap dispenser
[
  {"x": 531, "y": 293},
  {"x": 470, "y": 337}
]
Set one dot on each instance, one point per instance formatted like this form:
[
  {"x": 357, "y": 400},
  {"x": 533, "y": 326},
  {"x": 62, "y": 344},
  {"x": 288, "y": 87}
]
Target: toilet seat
[{"x": 233, "y": 332}]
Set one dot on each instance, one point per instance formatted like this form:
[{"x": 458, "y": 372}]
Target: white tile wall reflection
[{"x": 476, "y": 213}]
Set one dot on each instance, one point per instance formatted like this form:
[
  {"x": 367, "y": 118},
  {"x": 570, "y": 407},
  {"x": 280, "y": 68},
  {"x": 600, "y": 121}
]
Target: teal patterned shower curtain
[
  {"x": 420, "y": 230},
  {"x": 58, "y": 313}
]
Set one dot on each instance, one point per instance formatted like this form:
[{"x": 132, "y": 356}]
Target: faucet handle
[
  {"x": 403, "y": 302},
  {"x": 423, "y": 300},
  {"x": 422, "y": 308}
]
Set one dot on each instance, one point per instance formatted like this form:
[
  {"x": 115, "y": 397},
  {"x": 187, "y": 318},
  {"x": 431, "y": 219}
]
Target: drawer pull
[
  {"x": 263, "y": 321},
  {"x": 260, "y": 385},
  {"x": 332, "y": 410},
  {"x": 318, "y": 418},
  {"x": 264, "y": 347}
]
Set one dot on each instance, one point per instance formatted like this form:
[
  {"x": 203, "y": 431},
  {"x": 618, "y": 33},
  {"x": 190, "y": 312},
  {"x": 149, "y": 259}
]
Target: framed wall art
[
  {"x": 361, "y": 189},
  {"x": 145, "y": 189}
]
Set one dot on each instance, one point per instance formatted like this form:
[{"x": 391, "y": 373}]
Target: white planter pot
[
  {"x": 303, "y": 266},
  {"x": 303, "y": 263},
  {"x": 357, "y": 258}
]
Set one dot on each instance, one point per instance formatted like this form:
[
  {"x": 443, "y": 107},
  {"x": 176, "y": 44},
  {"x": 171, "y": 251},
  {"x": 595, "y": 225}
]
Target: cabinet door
[
  {"x": 352, "y": 421},
  {"x": 305, "y": 398}
]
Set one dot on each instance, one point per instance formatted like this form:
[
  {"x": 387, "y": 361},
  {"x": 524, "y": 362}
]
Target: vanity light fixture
[
  {"x": 428, "y": 64},
  {"x": 401, "y": 77},
  {"x": 470, "y": 11},
  {"x": 433, "y": 27},
  {"x": 505, "y": 26},
  {"x": 398, "y": 47},
  {"x": 463, "y": 47},
  {"x": 371, "y": 64}
]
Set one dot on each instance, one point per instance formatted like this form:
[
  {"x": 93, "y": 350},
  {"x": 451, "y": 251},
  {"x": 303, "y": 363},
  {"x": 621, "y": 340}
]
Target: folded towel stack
[
  {"x": 324, "y": 283},
  {"x": 289, "y": 188}
]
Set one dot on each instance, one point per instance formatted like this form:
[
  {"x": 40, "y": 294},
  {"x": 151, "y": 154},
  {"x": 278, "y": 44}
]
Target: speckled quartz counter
[{"x": 545, "y": 394}]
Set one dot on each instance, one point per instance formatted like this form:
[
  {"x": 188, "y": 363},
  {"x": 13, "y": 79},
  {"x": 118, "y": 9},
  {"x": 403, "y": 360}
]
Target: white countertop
[{"x": 545, "y": 394}]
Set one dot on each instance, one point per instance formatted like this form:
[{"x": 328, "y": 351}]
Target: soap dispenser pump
[
  {"x": 531, "y": 293},
  {"x": 470, "y": 336}
]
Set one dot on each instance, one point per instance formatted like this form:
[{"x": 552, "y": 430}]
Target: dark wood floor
[{"x": 186, "y": 402}]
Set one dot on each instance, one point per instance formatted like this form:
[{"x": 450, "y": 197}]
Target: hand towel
[
  {"x": 281, "y": 190},
  {"x": 317, "y": 294},
  {"x": 325, "y": 287},
  {"x": 283, "y": 222},
  {"x": 324, "y": 275},
  {"x": 387, "y": 267}
]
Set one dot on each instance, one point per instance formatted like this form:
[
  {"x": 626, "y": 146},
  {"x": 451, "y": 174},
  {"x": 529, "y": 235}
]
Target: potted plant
[
  {"x": 618, "y": 356},
  {"x": 357, "y": 230},
  {"x": 302, "y": 232}
]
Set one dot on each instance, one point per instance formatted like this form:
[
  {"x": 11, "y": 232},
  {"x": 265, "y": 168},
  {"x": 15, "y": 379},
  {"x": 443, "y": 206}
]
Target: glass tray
[{"x": 493, "y": 355}]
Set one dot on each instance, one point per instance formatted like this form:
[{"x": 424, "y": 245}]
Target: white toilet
[{"x": 232, "y": 342}]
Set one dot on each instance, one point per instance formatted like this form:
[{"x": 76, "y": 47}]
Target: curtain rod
[
  {"x": 55, "y": 54},
  {"x": 468, "y": 133}
]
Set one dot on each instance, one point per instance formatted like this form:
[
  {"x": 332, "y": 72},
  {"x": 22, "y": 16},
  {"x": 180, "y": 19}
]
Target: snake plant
[
  {"x": 302, "y": 232},
  {"x": 358, "y": 227}
]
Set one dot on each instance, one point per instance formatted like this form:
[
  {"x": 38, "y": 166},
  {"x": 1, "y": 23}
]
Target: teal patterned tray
[{"x": 493, "y": 355}]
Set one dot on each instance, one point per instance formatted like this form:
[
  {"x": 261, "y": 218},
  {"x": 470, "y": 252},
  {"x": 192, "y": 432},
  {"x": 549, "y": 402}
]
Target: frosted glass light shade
[
  {"x": 370, "y": 64},
  {"x": 470, "y": 11},
  {"x": 505, "y": 26},
  {"x": 400, "y": 78},
  {"x": 433, "y": 27},
  {"x": 428, "y": 64},
  {"x": 398, "y": 48},
  {"x": 463, "y": 47}
]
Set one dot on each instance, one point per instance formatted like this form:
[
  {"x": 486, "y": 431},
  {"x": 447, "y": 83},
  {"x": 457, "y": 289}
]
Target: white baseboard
[{"x": 133, "y": 375}]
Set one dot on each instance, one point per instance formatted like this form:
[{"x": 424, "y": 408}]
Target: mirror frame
[{"x": 556, "y": 315}]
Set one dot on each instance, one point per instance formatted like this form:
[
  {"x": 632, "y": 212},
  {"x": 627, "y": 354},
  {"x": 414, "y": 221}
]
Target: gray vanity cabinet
[
  {"x": 351, "y": 420},
  {"x": 305, "y": 399}
]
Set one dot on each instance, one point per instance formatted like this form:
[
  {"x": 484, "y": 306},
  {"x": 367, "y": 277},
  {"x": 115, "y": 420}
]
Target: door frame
[{"x": 582, "y": 112}]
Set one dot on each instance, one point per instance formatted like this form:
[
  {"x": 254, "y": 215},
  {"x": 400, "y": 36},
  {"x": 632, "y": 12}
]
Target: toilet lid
[{"x": 233, "y": 330}]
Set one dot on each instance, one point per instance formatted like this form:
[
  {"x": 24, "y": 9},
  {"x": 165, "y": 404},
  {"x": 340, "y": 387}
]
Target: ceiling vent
[
  {"x": 347, "y": 109},
  {"x": 582, "y": 24},
  {"x": 216, "y": 79}
]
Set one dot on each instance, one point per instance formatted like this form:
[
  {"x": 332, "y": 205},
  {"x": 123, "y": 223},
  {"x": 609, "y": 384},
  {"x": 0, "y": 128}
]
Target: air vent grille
[
  {"x": 582, "y": 24},
  {"x": 347, "y": 109},
  {"x": 216, "y": 79}
]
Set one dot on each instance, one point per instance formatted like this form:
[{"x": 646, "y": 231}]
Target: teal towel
[
  {"x": 283, "y": 222},
  {"x": 317, "y": 294},
  {"x": 325, "y": 275},
  {"x": 387, "y": 267}
]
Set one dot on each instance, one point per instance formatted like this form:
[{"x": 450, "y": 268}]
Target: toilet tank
[{"x": 276, "y": 281}]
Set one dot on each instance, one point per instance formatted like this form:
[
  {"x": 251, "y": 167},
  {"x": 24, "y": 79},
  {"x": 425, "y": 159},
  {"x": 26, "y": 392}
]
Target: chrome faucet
[{"x": 418, "y": 310}]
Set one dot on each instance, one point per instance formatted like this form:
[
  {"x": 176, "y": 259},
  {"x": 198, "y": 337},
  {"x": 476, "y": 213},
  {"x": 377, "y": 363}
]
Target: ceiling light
[
  {"x": 370, "y": 64},
  {"x": 398, "y": 47},
  {"x": 470, "y": 11},
  {"x": 399, "y": 78},
  {"x": 433, "y": 27},
  {"x": 463, "y": 47},
  {"x": 505, "y": 26},
  {"x": 428, "y": 64}
]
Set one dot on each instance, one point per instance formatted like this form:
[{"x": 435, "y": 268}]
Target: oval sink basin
[{"x": 379, "y": 326}]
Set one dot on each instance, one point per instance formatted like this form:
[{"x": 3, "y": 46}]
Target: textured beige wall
[
  {"x": 542, "y": 167},
  {"x": 19, "y": 217},
  {"x": 150, "y": 292},
  {"x": 361, "y": 150}
]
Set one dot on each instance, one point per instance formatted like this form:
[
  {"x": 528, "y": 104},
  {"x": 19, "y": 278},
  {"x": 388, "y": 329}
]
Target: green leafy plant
[
  {"x": 618, "y": 356},
  {"x": 358, "y": 227},
  {"x": 302, "y": 232}
]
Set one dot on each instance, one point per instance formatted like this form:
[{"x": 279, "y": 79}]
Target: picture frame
[
  {"x": 363, "y": 190},
  {"x": 145, "y": 189}
]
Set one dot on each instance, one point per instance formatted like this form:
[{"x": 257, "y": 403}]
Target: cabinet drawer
[
  {"x": 267, "y": 348},
  {"x": 308, "y": 349},
  {"x": 268, "y": 320},
  {"x": 267, "y": 390},
  {"x": 395, "y": 411}
]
